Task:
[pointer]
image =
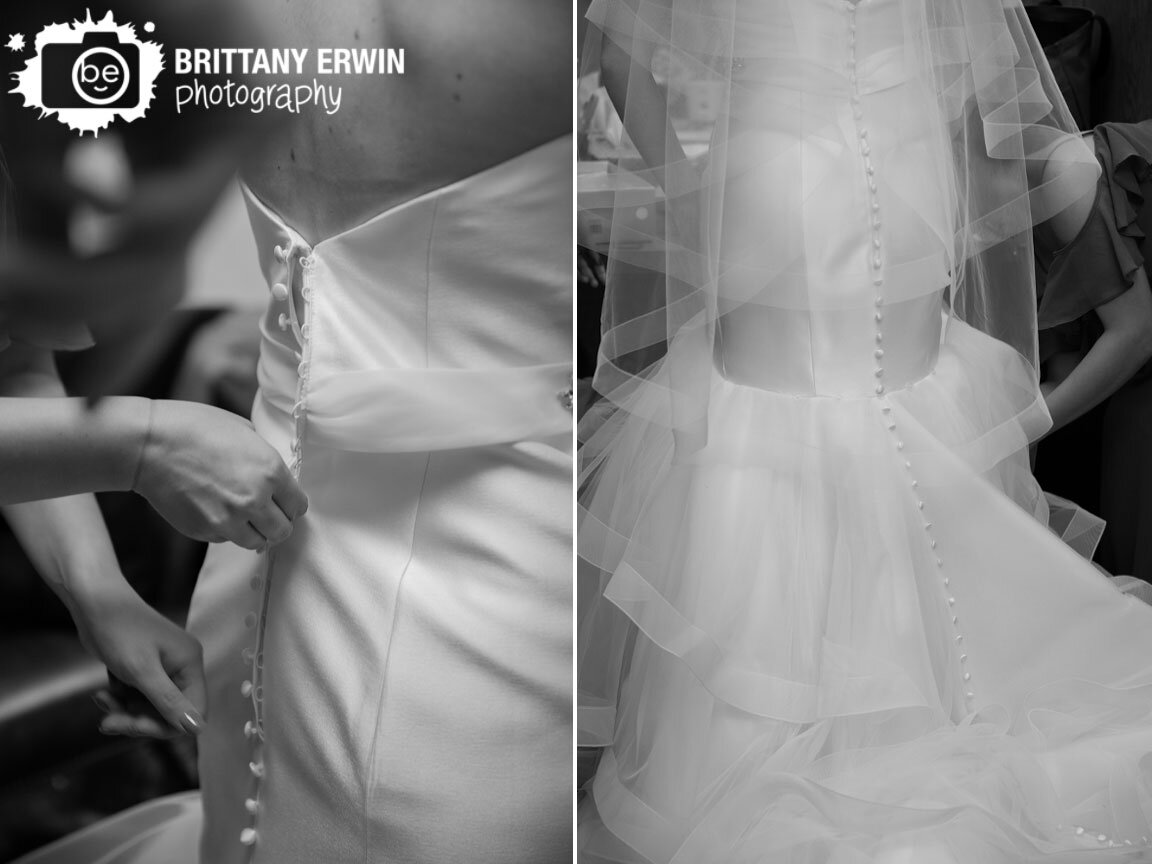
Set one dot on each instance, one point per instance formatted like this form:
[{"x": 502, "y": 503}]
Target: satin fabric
[
  {"x": 408, "y": 649},
  {"x": 818, "y": 352},
  {"x": 471, "y": 384},
  {"x": 164, "y": 830},
  {"x": 411, "y": 651}
]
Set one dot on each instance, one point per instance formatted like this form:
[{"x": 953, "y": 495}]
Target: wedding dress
[
  {"x": 393, "y": 683},
  {"x": 822, "y": 617}
]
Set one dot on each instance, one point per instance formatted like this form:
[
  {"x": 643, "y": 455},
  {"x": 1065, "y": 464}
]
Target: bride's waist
[
  {"x": 412, "y": 409},
  {"x": 835, "y": 76},
  {"x": 857, "y": 352}
]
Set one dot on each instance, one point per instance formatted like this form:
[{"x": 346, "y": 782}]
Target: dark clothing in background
[{"x": 1103, "y": 460}]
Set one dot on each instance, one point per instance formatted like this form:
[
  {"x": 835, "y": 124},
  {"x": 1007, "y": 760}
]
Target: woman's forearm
[
  {"x": 67, "y": 542},
  {"x": 1105, "y": 368},
  {"x": 50, "y": 447},
  {"x": 1124, "y": 347}
]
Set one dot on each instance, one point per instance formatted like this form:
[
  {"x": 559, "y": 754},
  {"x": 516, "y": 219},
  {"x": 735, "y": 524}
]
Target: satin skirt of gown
[
  {"x": 842, "y": 631},
  {"x": 393, "y": 683}
]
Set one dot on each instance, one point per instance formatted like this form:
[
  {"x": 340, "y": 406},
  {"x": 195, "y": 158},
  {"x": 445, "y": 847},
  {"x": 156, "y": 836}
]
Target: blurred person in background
[
  {"x": 393, "y": 681},
  {"x": 153, "y": 182},
  {"x": 1095, "y": 317}
]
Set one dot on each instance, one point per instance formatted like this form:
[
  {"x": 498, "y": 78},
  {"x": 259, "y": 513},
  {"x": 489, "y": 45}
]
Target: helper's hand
[
  {"x": 147, "y": 651},
  {"x": 213, "y": 478},
  {"x": 590, "y": 269}
]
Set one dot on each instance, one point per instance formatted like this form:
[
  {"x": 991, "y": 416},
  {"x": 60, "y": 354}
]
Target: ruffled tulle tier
[{"x": 839, "y": 633}]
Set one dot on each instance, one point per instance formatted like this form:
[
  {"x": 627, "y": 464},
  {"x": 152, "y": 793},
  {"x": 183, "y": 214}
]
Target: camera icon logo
[
  {"x": 101, "y": 72},
  {"x": 90, "y": 73}
]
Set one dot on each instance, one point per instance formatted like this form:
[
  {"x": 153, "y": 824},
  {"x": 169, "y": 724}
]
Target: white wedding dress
[
  {"x": 393, "y": 683},
  {"x": 837, "y": 632}
]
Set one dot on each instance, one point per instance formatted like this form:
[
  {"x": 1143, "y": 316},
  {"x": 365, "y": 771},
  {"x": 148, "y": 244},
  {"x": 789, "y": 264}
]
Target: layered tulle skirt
[{"x": 843, "y": 632}]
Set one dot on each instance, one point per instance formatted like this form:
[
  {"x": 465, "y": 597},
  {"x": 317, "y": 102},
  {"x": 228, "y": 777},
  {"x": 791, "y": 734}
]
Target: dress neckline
[{"x": 273, "y": 216}]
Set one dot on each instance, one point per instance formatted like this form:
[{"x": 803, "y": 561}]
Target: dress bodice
[
  {"x": 835, "y": 229},
  {"x": 834, "y": 352},
  {"x": 414, "y": 376},
  {"x": 810, "y": 31},
  {"x": 470, "y": 286}
]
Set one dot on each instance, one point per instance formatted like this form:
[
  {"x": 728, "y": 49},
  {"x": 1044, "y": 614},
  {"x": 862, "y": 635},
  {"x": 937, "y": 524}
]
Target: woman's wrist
[
  {"x": 90, "y": 592},
  {"x": 88, "y": 571},
  {"x": 144, "y": 447},
  {"x": 122, "y": 428}
]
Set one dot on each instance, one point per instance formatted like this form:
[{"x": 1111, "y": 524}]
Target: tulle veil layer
[
  {"x": 966, "y": 80},
  {"x": 750, "y": 573}
]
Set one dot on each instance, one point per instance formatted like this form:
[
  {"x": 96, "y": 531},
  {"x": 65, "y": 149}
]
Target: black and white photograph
[
  {"x": 286, "y": 432},
  {"x": 864, "y": 482},
  {"x": 608, "y": 432}
]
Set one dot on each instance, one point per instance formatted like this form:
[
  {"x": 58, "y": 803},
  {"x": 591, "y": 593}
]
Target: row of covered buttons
[
  {"x": 281, "y": 290},
  {"x": 254, "y": 657},
  {"x": 877, "y": 261},
  {"x": 1080, "y": 831},
  {"x": 877, "y": 265}
]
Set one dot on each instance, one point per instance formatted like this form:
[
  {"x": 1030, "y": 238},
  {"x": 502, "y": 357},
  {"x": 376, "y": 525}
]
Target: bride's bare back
[{"x": 483, "y": 82}]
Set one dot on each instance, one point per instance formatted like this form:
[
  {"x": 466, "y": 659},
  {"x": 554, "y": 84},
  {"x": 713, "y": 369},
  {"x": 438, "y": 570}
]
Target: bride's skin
[{"x": 483, "y": 82}]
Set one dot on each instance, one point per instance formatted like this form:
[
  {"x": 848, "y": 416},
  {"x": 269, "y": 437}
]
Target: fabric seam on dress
[{"x": 371, "y": 772}]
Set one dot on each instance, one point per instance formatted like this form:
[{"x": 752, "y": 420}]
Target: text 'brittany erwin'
[{"x": 289, "y": 61}]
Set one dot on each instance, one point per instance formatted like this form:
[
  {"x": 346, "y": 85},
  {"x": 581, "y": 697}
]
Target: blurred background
[{"x": 1122, "y": 91}]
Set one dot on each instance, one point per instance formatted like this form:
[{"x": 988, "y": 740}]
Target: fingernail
[
  {"x": 193, "y": 722},
  {"x": 102, "y": 701}
]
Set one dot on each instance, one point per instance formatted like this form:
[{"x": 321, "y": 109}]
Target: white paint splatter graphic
[
  {"x": 93, "y": 79},
  {"x": 15, "y": 42}
]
